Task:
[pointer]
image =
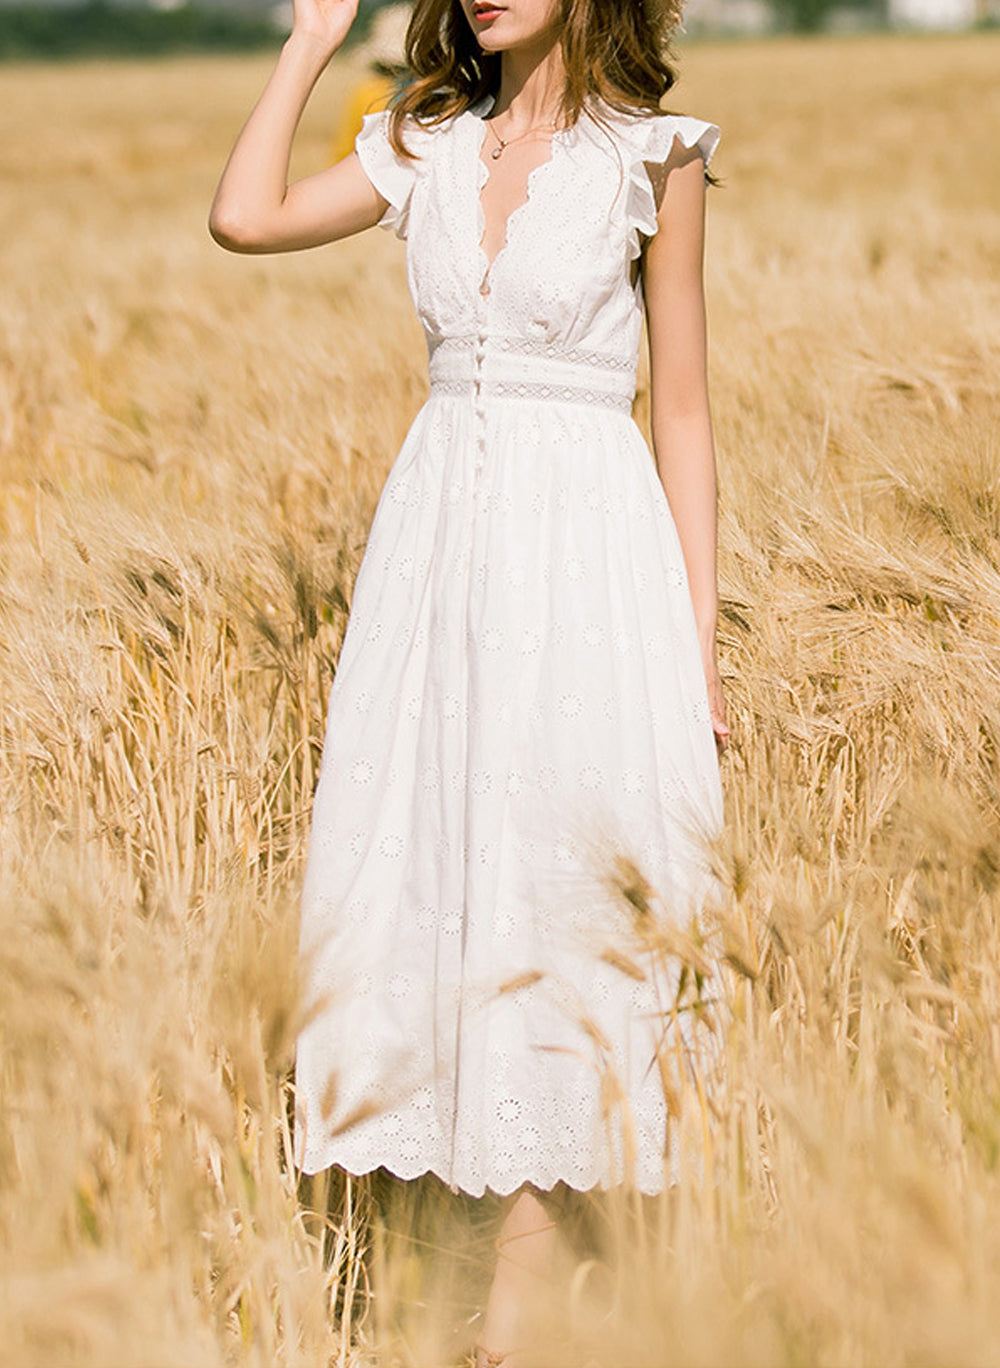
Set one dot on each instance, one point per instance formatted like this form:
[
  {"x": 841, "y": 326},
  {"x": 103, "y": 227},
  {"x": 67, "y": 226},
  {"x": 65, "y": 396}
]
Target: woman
[{"x": 527, "y": 696}]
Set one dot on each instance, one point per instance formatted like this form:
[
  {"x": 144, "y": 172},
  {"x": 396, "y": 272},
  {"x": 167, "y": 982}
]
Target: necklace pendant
[{"x": 497, "y": 153}]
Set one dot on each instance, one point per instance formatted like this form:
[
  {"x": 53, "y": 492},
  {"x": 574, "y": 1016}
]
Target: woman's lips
[{"x": 486, "y": 13}]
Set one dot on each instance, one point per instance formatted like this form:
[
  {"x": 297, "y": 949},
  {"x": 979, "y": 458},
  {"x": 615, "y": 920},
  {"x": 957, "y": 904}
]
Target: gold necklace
[{"x": 503, "y": 143}]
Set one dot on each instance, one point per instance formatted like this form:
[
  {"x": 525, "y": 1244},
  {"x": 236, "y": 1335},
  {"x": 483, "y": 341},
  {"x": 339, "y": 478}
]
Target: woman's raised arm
[
  {"x": 681, "y": 421},
  {"x": 255, "y": 209}
]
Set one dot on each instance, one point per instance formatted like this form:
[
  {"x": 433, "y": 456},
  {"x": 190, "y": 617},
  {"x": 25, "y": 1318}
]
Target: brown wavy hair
[{"x": 616, "y": 53}]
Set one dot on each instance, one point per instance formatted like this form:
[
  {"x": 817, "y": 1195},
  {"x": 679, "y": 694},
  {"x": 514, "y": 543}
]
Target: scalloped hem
[{"x": 407, "y": 1173}]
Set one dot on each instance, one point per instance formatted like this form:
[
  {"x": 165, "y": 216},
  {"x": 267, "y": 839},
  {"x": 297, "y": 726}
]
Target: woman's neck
[{"x": 531, "y": 85}]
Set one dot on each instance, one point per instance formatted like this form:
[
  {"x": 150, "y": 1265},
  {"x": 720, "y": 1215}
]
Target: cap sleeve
[
  {"x": 392, "y": 176},
  {"x": 651, "y": 142}
]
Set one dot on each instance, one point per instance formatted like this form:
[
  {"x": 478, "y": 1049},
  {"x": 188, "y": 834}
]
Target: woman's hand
[
  {"x": 716, "y": 700},
  {"x": 323, "y": 22}
]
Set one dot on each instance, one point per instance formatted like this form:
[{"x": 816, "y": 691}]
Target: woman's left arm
[{"x": 681, "y": 420}]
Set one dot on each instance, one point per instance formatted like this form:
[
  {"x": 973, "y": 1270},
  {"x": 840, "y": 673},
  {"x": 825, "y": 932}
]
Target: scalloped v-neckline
[{"x": 482, "y": 178}]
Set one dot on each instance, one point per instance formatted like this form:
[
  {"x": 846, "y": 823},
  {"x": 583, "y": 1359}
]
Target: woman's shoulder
[
  {"x": 420, "y": 135},
  {"x": 649, "y": 137},
  {"x": 641, "y": 142},
  {"x": 377, "y": 133}
]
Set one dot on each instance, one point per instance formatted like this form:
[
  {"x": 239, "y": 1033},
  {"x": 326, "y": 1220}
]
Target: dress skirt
[{"x": 518, "y": 723}]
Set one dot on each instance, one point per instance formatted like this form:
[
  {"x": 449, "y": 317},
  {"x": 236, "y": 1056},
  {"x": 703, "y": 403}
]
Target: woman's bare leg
[{"x": 525, "y": 1248}]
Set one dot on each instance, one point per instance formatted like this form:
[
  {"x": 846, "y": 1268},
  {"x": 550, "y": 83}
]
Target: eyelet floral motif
[{"x": 362, "y": 771}]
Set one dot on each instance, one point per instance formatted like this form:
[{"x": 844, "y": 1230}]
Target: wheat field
[{"x": 192, "y": 446}]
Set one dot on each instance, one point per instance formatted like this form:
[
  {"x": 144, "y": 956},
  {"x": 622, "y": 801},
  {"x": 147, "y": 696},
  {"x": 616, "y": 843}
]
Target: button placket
[{"x": 482, "y": 315}]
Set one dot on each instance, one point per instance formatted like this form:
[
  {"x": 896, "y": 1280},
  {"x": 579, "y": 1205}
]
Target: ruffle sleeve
[
  {"x": 392, "y": 176},
  {"x": 650, "y": 142}
]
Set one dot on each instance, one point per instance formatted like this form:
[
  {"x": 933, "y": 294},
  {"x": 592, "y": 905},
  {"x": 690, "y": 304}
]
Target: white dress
[{"x": 519, "y": 702}]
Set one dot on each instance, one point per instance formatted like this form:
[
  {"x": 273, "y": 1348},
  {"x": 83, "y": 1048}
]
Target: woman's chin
[{"x": 492, "y": 43}]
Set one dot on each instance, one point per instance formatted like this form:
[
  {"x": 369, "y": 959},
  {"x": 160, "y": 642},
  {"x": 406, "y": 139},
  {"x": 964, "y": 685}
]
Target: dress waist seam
[
  {"x": 507, "y": 367},
  {"x": 538, "y": 391}
]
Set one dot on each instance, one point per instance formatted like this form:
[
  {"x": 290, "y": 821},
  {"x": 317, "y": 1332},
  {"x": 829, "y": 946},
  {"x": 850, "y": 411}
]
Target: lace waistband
[
  {"x": 530, "y": 389},
  {"x": 490, "y": 367}
]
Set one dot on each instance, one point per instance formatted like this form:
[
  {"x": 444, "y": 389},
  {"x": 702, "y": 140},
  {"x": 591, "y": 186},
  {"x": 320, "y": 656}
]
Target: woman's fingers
[
  {"x": 717, "y": 709},
  {"x": 717, "y": 705},
  {"x": 721, "y": 729}
]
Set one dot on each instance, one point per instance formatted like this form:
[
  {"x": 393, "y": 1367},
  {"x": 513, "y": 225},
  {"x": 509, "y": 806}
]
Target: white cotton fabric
[{"x": 519, "y": 701}]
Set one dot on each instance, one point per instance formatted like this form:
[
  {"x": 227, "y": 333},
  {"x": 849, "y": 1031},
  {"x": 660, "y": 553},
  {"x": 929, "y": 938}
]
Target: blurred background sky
[{"x": 40, "y": 28}]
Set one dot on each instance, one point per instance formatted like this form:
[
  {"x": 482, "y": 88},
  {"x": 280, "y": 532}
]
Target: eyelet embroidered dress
[{"x": 519, "y": 699}]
